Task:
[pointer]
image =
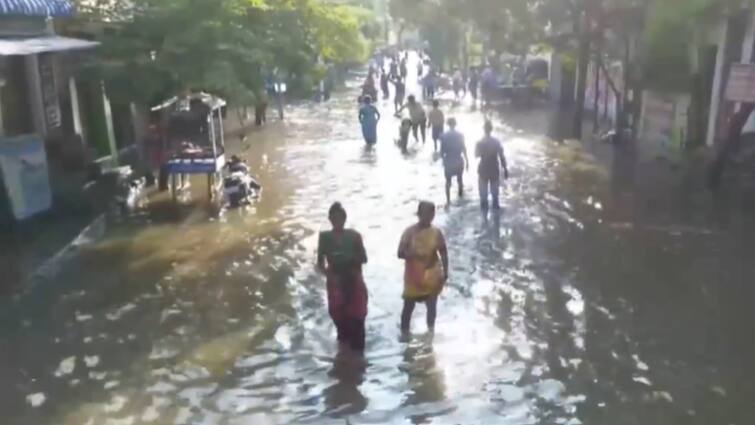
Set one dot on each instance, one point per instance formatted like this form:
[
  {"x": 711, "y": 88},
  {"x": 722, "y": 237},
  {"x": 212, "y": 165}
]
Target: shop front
[{"x": 41, "y": 136}]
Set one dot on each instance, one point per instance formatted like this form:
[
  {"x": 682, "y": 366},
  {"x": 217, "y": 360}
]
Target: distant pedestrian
[
  {"x": 368, "y": 88},
  {"x": 429, "y": 82},
  {"x": 278, "y": 88},
  {"x": 489, "y": 83},
  {"x": 368, "y": 118},
  {"x": 453, "y": 151},
  {"x": 436, "y": 121},
  {"x": 340, "y": 256},
  {"x": 418, "y": 117},
  {"x": 474, "y": 82},
  {"x": 280, "y": 101},
  {"x": 393, "y": 69},
  {"x": 399, "y": 92},
  {"x": 403, "y": 69},
  {"x": 458, "y": 84},
  {"x": 492, "y": 159},
  {"x": 384, "y": 84},
  {"x": 423, "y": 249},
  {"x": 328, "y": 85},
  {"x": 260, "y": 109},
  {"x": 403, "y": 135}
]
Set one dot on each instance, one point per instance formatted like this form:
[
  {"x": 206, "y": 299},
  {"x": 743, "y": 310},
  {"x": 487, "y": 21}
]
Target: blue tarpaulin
[{"x": 52, "y": 8}]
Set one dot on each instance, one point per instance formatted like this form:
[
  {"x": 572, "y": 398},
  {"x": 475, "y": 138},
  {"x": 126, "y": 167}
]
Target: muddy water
[{"x": 596, "y": 296}]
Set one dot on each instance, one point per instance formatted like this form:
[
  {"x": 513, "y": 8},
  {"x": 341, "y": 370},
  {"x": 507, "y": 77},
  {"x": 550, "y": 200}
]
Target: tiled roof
[{"x": 51, "y": 8}]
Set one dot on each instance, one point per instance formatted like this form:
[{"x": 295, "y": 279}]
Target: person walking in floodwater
[
  {"x": 428, "y": 84},
  {"x": 423, "y": 249},
  {"x": 458, "y": 84},
  {"x": 340, "y": 256},
  {"x": 384, "y": 83},
  {"x": 403, "y": 135},
  {"x": 418, "y": 117},
  {"x": 489, "y": 83},
  {"x": 393, "y": 68},
  {"x": 474, "y": 82},
  {"x": 400, "y": 92},
  {"x": 368, "y": 88},
  {"x": 436, "y": 121},
  {"x": 368, "y": 118},
  {"x": 454, "y": 154},
  {"x": 492, "y": 159}
]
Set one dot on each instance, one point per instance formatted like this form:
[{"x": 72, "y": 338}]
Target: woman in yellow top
[{"x": 423, "y": 248}]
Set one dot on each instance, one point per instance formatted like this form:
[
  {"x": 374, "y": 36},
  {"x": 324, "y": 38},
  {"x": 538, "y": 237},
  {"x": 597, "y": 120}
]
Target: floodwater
[{"x": 597, "y": 296}]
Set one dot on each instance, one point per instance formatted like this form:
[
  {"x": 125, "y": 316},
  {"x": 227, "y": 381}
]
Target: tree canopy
[{"x": 160, "y": 47}]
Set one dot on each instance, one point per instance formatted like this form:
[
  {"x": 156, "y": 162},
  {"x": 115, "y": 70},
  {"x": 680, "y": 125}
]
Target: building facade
[{"x": 39, "y": 101}]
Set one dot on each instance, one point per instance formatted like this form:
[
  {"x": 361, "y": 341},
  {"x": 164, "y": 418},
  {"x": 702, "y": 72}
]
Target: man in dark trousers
[{"x": 492, "y": 158}]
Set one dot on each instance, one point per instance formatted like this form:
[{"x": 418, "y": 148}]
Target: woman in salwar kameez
[
  {"x": 423, "y": 249},
  {"x": 340, "y": 256}
]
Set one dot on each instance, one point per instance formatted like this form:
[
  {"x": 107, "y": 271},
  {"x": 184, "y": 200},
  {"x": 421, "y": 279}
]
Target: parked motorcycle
[
  {"x": 130, "y": 194},
  {"x": 239, "y": 186}
]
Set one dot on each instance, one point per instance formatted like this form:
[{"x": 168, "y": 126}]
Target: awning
[
  {"x": 212, "y": 102},
  {"x": 52, "y": 8},
  {"x": 33, "y": 45}
]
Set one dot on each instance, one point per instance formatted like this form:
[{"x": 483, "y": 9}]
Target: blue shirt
[
  {"x": 368, "y": 115},
  {"x": 490, "y": 152},
  {"x": 452, "y": 149}
]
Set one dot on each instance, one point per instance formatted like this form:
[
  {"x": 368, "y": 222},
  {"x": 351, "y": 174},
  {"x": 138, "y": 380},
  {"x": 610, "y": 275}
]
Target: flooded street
[{"x": 592, "y": 299}]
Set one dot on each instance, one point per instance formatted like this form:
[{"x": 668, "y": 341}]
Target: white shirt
[
  {"x": 749, "y": 126},
  {"x": 416, "y": 112}
]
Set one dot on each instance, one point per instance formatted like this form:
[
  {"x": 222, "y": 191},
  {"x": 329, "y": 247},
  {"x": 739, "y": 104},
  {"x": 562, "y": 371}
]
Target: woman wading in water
[
  {"x": 340, "y": 256},
  {"x": 423, "y": 249}
]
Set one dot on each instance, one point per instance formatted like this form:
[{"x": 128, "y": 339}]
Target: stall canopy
[
  {"x": 34, "y": 45},
  {"x": 209, "y": 100},
  {"x": 51, "y": 8}
]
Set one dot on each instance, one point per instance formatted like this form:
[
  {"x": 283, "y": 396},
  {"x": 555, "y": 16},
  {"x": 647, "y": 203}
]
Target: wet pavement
[{"x": 595, "y": 297}]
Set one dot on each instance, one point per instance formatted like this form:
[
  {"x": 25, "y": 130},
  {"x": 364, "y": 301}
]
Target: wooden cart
[{"x": 194, "y": 137}]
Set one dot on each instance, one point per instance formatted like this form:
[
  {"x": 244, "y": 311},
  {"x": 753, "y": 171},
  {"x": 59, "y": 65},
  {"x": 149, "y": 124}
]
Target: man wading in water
[
  {"x": 454, "y": 154},
  {"x": 418, "y": 117},
  {"x": 400, "y": 91},
  {"x": 490, "y": 152},
  {"x": 436, "y": 121}
]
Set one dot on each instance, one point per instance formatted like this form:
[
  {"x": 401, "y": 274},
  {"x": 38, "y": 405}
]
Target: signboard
[
  {"x": 50, "y": 104},
  {"x": 23, "y": 164},
  {"x": 664, "y": 122},
  {"x": 741, "y": 84}
]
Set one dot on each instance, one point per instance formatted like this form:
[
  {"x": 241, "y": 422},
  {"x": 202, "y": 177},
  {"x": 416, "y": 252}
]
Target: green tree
[{"x": 161, "y": 47}]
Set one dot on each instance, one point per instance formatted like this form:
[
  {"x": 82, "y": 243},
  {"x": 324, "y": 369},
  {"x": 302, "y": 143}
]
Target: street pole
[{"x": 582, "y": 27}]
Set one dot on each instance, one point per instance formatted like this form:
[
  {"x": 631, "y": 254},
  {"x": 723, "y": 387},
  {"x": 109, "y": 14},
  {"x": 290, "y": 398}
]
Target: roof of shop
[
  {"x": 213, "y": 102},
  {"x": 52, "y": 8},
  {"x": 34, "y": 45}
]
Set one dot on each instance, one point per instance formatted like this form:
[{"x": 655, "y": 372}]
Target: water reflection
[
  {"x": 425, "y": 381},
  {"x": 591, "y": 298},
  {"x": 343, "y": 397}
]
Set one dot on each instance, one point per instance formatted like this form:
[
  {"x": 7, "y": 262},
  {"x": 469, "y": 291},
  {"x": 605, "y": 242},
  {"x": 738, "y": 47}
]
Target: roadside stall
[{"x": 193, "y": 140}]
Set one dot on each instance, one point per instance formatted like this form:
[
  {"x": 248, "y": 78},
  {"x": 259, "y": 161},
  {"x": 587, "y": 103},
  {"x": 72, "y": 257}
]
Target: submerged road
[{"x": 582, "y": 303}]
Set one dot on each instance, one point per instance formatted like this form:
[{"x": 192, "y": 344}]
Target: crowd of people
[
  {"x": 341, "y": 252},
  {"x": 448, "y": 142}
]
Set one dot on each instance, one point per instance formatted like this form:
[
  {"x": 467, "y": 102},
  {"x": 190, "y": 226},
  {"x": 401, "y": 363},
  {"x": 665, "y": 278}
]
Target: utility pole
[{"x": 582, "y": 27}]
